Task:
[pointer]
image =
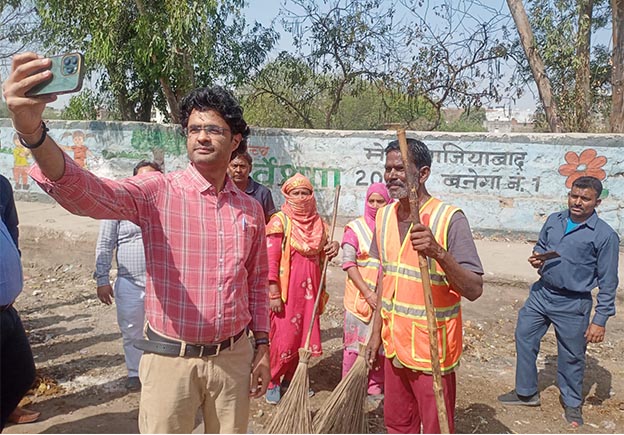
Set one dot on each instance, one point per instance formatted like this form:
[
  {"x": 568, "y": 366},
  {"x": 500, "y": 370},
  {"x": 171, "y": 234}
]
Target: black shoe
[
  {"x": 573, "y": 416},
  {"x": 513, "y": 398},
  {"x": 133, "y": 383}
]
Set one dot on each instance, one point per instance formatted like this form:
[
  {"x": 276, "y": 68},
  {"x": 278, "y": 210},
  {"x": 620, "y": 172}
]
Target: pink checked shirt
[{"x": 205, "y": 250}]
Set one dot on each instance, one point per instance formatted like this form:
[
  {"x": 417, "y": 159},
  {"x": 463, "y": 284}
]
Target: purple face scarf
[{"x": 370, "y": 212}]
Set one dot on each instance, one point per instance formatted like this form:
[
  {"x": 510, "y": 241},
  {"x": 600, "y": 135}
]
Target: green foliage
[
  {"x": 83, "y": 106},
  {"x": 370, "y": 106},
  {"x": 343, "y": 43},
  {"x": 469, "y": 121},
  {"x": 285, "y": 93},
  {"x": 152, "y": 53}
]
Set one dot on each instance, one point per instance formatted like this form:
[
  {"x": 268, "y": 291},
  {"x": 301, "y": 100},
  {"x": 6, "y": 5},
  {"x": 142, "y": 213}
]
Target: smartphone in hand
[
  {"x": 67, "y": 75},
  {"x": 547, "y": 255}
]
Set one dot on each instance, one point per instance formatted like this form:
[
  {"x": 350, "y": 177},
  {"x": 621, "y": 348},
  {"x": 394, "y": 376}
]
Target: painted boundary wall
[{"x": 505, "y": 183}]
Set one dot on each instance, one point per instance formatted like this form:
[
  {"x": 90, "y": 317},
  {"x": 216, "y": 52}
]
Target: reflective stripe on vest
[
  {"x": 284, "y": 264},
  {"x": 368, "y": 267},
  {"x": 404, "y": 328}
]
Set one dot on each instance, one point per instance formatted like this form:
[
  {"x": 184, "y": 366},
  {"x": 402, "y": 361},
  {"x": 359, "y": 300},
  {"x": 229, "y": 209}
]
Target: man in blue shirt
[
  {"x": 586, "y": 251},
  {"x": 8, "y": 212},
  {"x": 17, "y": 367}
]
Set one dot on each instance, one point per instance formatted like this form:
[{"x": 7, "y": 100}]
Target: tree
[
  {"x": 84, "y": 105},
  {"x": 617, "y": 111},
  {"x": 469, "y": 120},
  {"x": 342, "y": 41},
  {"x": 285, "y": 93},
  {"x": 151, "y": 53},
  {"x": 537, "y": 65},
  {"x": 345, "y": 46},
  {"x": 451, "y": 53},
  {"x": 578, "y": 71},
  {"x": 16, "y": 25},
  {"x": 583, "y": 45},
  {"x": 288, "y": 93}
]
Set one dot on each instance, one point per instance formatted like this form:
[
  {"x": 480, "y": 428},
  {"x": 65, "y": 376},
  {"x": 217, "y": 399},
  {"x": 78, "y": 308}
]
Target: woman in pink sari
[
  {"x": 297, "y": 244},
  {"x": 360, "y": 298}
]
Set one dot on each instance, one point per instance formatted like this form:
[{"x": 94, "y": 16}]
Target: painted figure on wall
[
  {"x": 81, "y": 151},
  {"x": 20, "y": 165}
]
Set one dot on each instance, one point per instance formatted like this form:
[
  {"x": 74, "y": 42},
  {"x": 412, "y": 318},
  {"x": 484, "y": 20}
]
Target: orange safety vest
[
  {"x": 284, "y": 265},
  {"x": 404, "y": 328},
  {"x": 368, "y": 267}
]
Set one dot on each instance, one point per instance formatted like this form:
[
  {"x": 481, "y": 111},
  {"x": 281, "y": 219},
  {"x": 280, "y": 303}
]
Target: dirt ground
[{"x": 79, "y": 356}]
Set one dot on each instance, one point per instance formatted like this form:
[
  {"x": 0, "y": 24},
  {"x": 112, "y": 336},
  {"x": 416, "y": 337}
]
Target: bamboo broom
[
  {"x": 344, "y": 410},
  {"x": 293, "y": 412},
  {"x": 426, "y": 280}
]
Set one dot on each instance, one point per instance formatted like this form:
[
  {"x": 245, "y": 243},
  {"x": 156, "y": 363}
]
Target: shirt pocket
[
  {"x": 249, "y": 234},
  {"x": 578, "y": 253}
]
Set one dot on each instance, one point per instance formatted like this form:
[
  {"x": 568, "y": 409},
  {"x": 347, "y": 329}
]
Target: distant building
[{"x": 502, "y": 120}]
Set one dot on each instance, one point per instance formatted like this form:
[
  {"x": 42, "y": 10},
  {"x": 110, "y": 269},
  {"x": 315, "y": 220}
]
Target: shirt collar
[
  {"x": 251, "y": 186},
  {"x": 202, "y": 185},
  {"x": 590, "y": 222}
]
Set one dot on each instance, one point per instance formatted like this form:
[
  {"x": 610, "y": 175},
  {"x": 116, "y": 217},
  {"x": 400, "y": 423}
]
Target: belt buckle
[{"x": 203, "y": 348}]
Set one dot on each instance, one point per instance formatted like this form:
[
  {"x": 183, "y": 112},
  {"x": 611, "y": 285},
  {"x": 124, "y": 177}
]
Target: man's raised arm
[{"x": 26, "y": 112}]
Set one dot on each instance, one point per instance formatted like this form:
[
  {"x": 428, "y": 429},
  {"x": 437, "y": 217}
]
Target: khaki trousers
[{"x": 174, "y": 388}]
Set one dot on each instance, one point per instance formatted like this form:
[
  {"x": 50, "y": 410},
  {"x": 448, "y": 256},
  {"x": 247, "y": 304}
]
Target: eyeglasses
[{"x": 211, "y": 130}]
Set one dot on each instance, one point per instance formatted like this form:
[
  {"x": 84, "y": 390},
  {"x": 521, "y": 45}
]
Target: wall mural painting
[
  {"x": 78, "y": 147},
  {"x": 21, "y": 163},
  {"x": 586, "y": 163}
]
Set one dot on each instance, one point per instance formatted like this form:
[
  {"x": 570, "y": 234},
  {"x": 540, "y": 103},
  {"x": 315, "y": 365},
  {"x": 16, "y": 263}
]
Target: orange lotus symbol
[{"x": 587, "y": 163}]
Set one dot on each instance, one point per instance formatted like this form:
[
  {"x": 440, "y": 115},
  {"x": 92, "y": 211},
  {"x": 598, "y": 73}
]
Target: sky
[{"x": 266, "y": 11}]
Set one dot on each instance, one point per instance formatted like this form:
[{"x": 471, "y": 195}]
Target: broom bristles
[
  {"x": 293, "y": 411},
  {"x": 343, "y": 411}
]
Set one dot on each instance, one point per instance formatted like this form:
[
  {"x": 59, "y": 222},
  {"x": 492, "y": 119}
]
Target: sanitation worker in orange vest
[{"x": 400, "y": 320}]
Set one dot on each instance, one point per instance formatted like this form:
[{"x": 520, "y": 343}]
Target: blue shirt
[
  {"x": 263, "y": 196},
  {"x": 11, "y": 279},
  {"x": 8, "y": 212},
  {"x": 589, "y": 259}
]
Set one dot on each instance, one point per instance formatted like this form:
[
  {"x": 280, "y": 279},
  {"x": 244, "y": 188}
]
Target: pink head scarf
[
  {"x": 369, "y": 212},
  {"x": 308, "y": 230}
]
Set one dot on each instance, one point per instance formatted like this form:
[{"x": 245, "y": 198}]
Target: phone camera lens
[
  {"x": 67, "y": 61},
  {"x": 74, "y": 60}
]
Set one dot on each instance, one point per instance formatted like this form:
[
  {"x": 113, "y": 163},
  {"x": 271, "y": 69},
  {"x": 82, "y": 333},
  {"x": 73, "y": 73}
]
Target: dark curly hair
[{"x": 220, "y": 100}]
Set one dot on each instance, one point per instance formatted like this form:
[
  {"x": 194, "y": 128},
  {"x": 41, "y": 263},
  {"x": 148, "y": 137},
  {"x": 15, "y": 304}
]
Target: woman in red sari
[{"x": 297, "y": 244}]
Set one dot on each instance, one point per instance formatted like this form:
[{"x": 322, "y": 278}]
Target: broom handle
[
  {"x": 318, "y": 295},
  {"x": 432, "y": 326}
]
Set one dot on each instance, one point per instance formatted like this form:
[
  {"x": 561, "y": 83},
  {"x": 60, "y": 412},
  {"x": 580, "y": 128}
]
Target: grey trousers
[{"x": 569, "y": 313}]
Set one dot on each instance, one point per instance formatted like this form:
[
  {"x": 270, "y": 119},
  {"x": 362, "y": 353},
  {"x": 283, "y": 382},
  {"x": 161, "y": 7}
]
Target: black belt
[
  {"x": 156, "y": 343},
  {"x": 5, "y": 307}
]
